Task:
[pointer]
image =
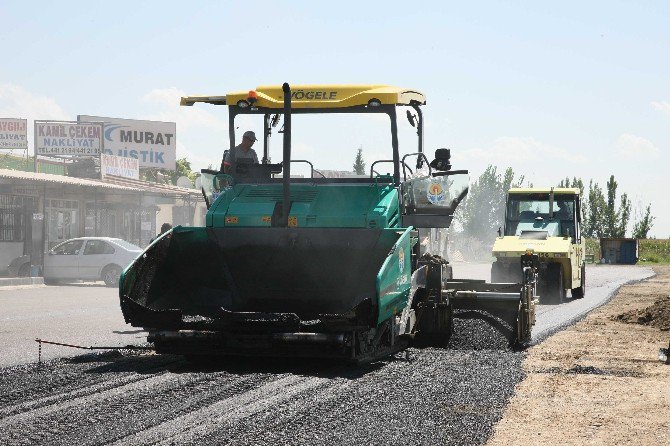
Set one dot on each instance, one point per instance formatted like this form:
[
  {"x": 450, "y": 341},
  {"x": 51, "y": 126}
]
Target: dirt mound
[{"x": 656, "y": 315}]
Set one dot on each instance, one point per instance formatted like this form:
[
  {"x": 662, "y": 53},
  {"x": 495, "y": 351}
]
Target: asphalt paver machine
[{"x": 350, "y": 268}]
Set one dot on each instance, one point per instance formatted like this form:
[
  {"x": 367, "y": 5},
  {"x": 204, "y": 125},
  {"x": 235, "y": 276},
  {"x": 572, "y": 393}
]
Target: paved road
[
  {"x": 452, "y": 395},
  {"x": 602, "y": 281},
  {"x": 84, "y": 314},
  {"x": 89, "y": 315}
]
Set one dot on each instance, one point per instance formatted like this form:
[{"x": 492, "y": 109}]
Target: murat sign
[{"x": 152, "y": 143}]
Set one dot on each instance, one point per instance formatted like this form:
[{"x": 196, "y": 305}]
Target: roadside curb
[{"x": 20, "y": 281}]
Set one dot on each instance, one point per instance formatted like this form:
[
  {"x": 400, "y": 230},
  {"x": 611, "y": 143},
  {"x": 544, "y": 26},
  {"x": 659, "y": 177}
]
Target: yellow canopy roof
[
  {"x": 316, "y": 96},
  {"x": 544, "y": 190}
]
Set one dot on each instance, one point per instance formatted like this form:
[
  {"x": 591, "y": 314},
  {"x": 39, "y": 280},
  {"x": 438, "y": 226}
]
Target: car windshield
[
  {"x": 125, "y": 244},
  {"x": 532, "y": 211},
  {"x": 529, "y": 208}
]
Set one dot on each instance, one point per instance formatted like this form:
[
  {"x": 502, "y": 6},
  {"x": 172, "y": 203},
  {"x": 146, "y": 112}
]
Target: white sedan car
[{"x": 89, "y": 258}]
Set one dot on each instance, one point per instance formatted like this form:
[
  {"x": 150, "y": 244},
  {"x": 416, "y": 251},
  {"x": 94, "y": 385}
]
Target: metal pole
[
  {"x": 394, "y": 145},
  {"x": 35, "y": 144},
  {"x": 231, "y": 138},
  {"x": 419, "y": 132},
  {"x": 95, "y": 215},
  {"x": 45, "y": 227},
  {"x": 286, "y": 163},
  {"x": 266, "y": 138}
]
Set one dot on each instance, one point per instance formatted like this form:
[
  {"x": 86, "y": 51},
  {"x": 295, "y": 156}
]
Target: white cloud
[
  {"x": 662, "y": 106},
  {"x": 198, "y": 161},
  {"x": 202, "y": 130},
  {"x": 517, "y": 150},
  {"x": 17, "y": 102},
  {"x": 166, "y": 101},
  {"x": 632, "y": 146}
]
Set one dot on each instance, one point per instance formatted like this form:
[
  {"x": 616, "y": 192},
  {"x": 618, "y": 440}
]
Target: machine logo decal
[
  {"x": 435, "y": 193},
  {"x": 401, "y": 260},
  {"x": 302, "y": 95}
]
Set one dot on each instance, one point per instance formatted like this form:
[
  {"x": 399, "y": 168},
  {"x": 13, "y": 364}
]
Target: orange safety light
[{"x": 253, "y": 96}]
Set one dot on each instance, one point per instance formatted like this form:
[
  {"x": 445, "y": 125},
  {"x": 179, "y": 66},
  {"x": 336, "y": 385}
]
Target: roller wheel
[
  {"x": 553, "y": 292},
  {"x": 578, "y": 293}
]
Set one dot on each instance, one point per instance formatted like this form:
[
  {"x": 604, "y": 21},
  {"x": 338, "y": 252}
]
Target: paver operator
[{"x": 241, "y": 151}]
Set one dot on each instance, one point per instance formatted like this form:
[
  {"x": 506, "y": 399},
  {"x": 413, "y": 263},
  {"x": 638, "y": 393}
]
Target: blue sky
[{"x": 551, "y": 89}]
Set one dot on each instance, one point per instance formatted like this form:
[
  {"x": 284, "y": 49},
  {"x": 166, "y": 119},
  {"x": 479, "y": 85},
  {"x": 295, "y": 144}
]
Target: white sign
[
  {"x": 68, "y": 138},
  {"x": 119, "y": 166},
  {"x": 13, "y": 133},
  {"x": 153, "y": 143}
]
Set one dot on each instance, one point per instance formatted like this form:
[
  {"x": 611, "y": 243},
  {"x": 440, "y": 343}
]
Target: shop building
[{"x": 39, "y": 211}]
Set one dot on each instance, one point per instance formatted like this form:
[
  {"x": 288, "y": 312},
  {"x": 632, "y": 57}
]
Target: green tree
[
  {"x": 616, "y": 220},
  {"x": 183, "y": 169},
  {"x": 611, "y": 218},
  {"x": 166, "y": 176},
  {"x": 359, "y": 164},
  {"x": 623, "y": 216},
  {"x": 643, "y": 226},
  {"x": 483, "y": 211},
  {"x": 594, "y": 225}
]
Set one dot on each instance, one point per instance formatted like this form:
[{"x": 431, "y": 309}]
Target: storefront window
[
  {"x": 62, "y": 220},
  {"x": 15, "y": 214},
  {"x": 101, "y": 220}
]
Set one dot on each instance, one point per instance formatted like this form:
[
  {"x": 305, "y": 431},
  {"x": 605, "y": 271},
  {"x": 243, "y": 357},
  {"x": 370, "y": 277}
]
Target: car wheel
[
  {"x": 110, "y": 275},
  {"x": 578, "y": 293},
  {"x": 24, "y": 271}
]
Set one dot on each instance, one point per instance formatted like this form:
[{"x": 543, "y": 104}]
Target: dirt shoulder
[{"x": 600, "y": 381}]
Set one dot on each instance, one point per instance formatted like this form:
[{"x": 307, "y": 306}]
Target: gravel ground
[
  {"x": 454, "y": 396},
  {"x": 438, "y": 396}
]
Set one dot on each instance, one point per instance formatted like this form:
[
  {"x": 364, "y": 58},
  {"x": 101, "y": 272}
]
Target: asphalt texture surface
[
  {"x": 602, "y": 281},
  {"x": 85, "y": 314},
  {"x": 452, "y": 395}
]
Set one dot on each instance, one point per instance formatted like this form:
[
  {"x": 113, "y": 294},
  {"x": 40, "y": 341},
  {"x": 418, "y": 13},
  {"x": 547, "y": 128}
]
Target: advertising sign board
[
  {"x": 68, "y": 138},
  {"x": 153, "y": 143},
  {"x": 13, "y": 134},
  {"x": 119, "y": 166}
]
